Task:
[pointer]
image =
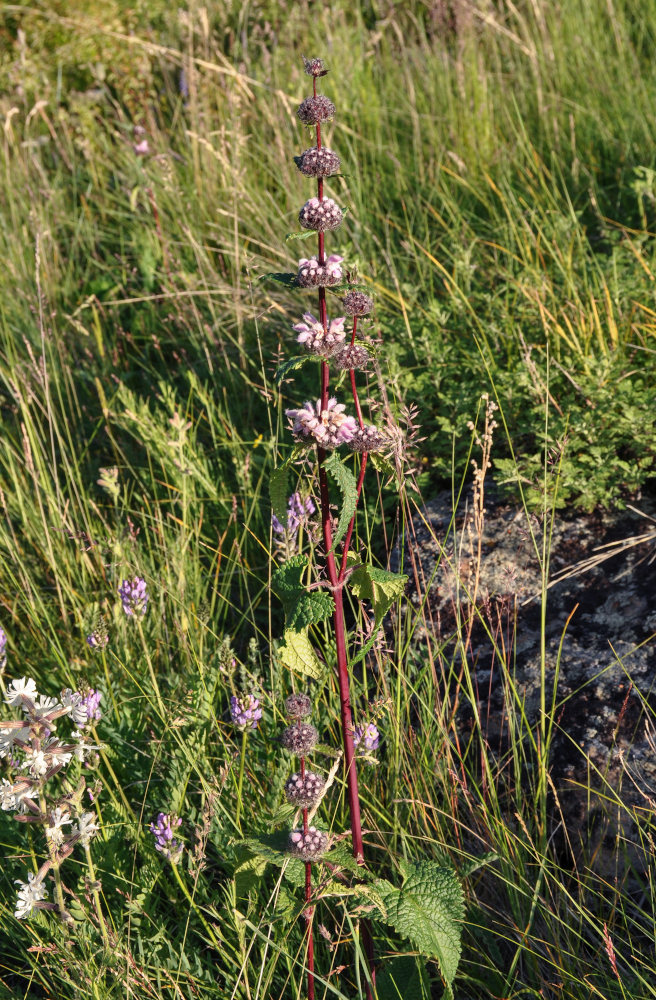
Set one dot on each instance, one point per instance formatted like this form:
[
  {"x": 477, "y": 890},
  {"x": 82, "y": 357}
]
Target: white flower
[
  {"x": 77, "y": 708},
  {"x": 18, "y": 689},
  {"x": 36, "y": 762},
  {"x": 11, "y": 796},
  {"x": 45, "y": 704},
  {"x": 59, "y": 818},
  {"x": 86, "y": 828},
  {"x": 29, "y": 894}
]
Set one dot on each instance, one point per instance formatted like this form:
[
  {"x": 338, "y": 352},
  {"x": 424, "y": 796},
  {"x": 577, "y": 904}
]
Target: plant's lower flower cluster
[
  {"x": 162, "y": 831},
  {"x": 329, "y": 427},
  {"x": 134, "y": 595},
  {"x": 308, "y": 846},
  {"x": 318, "y": 162},
  {"x": 298, "y": 512},
  {"x": 368, "y": 439},
  {"x": 315, "y": 339},
  {"x": 245, "y": 712},
  {"x": 314, "y": 110},
  {"x": 312, "y": 274},
  {"x": 304, "y": 790},
  {"x": 357, "y": 303},
  {"x": 298, "y": 706},
  {"x": 352, "y": 356},
  {"x": 320, "y": 214},
  {"x": 300, "y": 738}
]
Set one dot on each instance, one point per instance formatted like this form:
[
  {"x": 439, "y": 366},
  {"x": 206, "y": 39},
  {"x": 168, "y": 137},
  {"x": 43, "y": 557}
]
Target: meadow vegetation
[{"x": 498, "y": 163}]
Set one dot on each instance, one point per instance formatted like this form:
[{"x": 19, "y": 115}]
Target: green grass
[{"x": 498, "y": 161}]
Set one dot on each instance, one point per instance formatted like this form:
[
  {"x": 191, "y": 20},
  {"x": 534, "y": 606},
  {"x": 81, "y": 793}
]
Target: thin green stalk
[{"x": 240, "y": 779}]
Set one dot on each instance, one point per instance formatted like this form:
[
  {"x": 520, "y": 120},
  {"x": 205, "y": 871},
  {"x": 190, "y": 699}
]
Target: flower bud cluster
[
  {"x": 357, "y": 303},
  {"x": 304, "y": 790},
  {"x": 320, "y": 214},
  {"x": 353, "y": 356},
  {"x": 301, "y": 738},
  {"x": 298, "y": 706},
  {"x": 368, "y": 439},
  {"x": 315, "y": 162},
  {"x": 309, "y": 846},
  {"x": 312, "y": 274},
  {"x": 314, "y": 110}
]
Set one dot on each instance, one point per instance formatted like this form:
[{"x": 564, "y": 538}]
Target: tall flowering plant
[{"x": 324, "y": 430}]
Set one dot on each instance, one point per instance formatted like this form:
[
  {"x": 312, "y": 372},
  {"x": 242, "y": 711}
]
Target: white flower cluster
[{"x": 35, "y": 755}]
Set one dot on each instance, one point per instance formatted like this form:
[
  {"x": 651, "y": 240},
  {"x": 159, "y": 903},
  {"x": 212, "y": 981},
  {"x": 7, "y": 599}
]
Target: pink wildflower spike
[{"x": 317, "y": 340}]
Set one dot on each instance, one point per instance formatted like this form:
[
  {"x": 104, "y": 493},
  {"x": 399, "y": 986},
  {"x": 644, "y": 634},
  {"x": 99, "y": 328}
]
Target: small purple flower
[
  {"x": 367, "y": 735},
  {"x": 162, "y": 831},
  {"x": 317, "y": 340},
  {"x": 298, "y": 511},
  {"x": 91, "y": 702},
  {"x": 142, "y": 148},
  {"x": 312, "y": 274},
  {"x": 245, "y": 712},
  {"x": 3, "y": 649},
  {"x": 134, "y": 595}
]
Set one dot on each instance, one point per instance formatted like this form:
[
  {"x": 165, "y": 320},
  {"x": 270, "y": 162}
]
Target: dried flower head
[
  {"x": 352, "y": 356},
  {"x": 357, "y": 303},
  {"x": 329, "y": 427},
  {"x": 368, "y": 438},
  {"x": 367, "y": 735},
  {"x": 310, "y": 845},
  {"x": 245, "y": 712},
  {"x": 315, "y": 162},
  {"x": 314, "y": 110},
  {"x": 298, "y": 706},
  {"x": 134, "y": 595},
  {"x": 314, "y": 67},
  {"x": 300, "y": 738},
  {"x": 312, "y": 274},
  {"x": 320, "y": 214},
  {"x": 304, "y": 790},
  {"x": 314, "y": 338}
]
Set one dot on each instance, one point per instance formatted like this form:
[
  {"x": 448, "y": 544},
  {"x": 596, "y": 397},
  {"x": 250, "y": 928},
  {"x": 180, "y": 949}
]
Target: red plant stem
[
  {"x": 337, "y": 582},
  {"x": 309, "y": 912}
]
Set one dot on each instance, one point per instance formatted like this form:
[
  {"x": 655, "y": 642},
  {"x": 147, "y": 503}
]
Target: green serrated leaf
[
  {"x": 248, "y": 873},
  {"x": 428, "y": 910},
  {"x": 403, "y": 978},
  {"x": 297, "y": 654},
  {"x": 302, "y": 607},
  {"x": 283, "y": 370},
  {"x": 272, "y": 848},
  {"x": 303, "y": 235},
  {"x": 283, "y": 277},
  {"x": 382, "y": 588},
  {"x": 349, "y": 490}
]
